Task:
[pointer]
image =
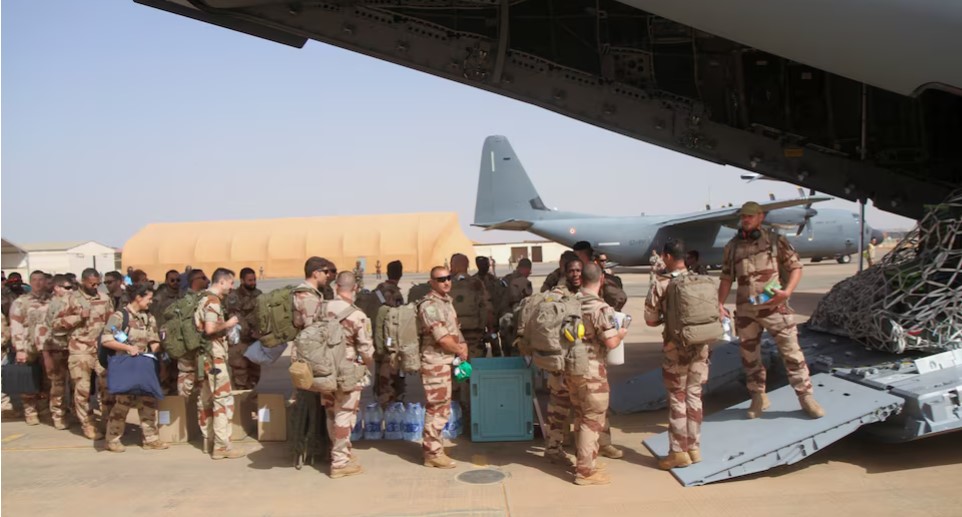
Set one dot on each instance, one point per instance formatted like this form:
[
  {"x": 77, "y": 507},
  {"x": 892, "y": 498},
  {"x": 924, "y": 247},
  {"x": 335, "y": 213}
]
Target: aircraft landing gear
[
  {"x": 844, "y": 259},
  {"x": 816, "y": 260}
]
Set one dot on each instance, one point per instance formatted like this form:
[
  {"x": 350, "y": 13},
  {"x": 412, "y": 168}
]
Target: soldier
[
  {"x": 114, "y": 282},
  {"x": 611, "y": 290},
  {"x": 5, "y": 403},
  {"x": 242, "y": 302},
  {"x": 216, "y": 406},
  {"x": 27, "y": 315},
  {"x": 308, "y": 302},
  {"x": 142, "y": 337},
  {"x": 693, "y": 264},
  {"x": 495, "y": 293},
  {"x": 197, "y": 282},
  {"x": 377, "y": 270},
  {"x": 12, "y": 289},
  {"x": 657, "y": 264},
  {"x": 56, "y": 350},
  {"x": 559, "y": 398},
  {"x": 324, "y": 286},
  {"x": 589, "y": 393},
  {"x": 83, "y": 318},
  {"x": 472, "y": 305},
  {"x": 753, "y": 258},
  {"x": 555, "y": 277},
  {"x": 684, "y": 368},
  {"x": 342, "y": 405},
  {"x": 441, "y": 342},
  {"x": 390, "y": 385},
  {"x": 359, "y": 274},
  {"x": 165, "y": 295},
  {"x": 517, "y": 285}
]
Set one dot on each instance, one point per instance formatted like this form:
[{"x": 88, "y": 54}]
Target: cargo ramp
[{"x": 734, "y": 446}]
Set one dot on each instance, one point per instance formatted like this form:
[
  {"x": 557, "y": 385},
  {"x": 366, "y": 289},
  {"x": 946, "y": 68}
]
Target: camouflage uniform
[
  {"x": 142, "y": 333},
  {"x": 4, "y": 399},
  {"x": 327, "y": 291},
  {"x": 242, "y": 303},
  {"x": 342, "y": 406},
  {"x": 216, "y": 406},
  {"x": 517, "y": 288},
  {"x": 684, "y": 370},
  {"x": 306, "y": 308},
  {"x": 390, "y": 385},
  {"x": 589, "y": 393},
  {"x": 187, "y": 368},
  {"x": 751, "y": 264},
  {"x": 164, "y": 296},
  {"x": 436, "y": 319},
  {"x": 473, "y": 319},
  {"x": 612, "y": 292},
  {"x": 552, "y": 280},
  {"x": 84, "y": 317},
  {"x": 27, "y": 315},
  {"x": 56, "y": 349}
]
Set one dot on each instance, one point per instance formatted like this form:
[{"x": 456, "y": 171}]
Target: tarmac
[{"x": 49, "y": 472}]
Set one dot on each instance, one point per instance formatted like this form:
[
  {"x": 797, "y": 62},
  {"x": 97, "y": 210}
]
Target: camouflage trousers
[
  {"x": 589, "y": 398},
  {"x": 216, "y": 407},
  {"x": 342, "y": 407},
  {"x": 187, "y": 375},
  {"x": 437, "y": 390},
  {"x": 244, "y": 374},
  {"x": 749, "y": 323},
  {"x": 476, "y": 344},
  {"x": 684, "y": 371},
  {"x": 147, "y": 410},
  {"x": 390, "y": 385},
  {"x": 81, "y": 367},
  {"x": 559, "y": 415},
  {"x": 57, "y": 369}
]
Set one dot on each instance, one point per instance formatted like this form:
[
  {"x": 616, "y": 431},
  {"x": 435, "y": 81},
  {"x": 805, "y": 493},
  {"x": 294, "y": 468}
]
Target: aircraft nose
[{"x": 878, "y": 235}]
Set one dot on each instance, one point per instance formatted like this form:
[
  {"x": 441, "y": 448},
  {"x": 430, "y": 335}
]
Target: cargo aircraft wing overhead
[
  {"x": 508, "y": 224},
  {"x": 729, "y": 216}
]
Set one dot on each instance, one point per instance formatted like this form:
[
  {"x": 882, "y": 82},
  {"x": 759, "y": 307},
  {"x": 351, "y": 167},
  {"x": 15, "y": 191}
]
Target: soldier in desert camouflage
[
  {"x": 242, "y": 302},
  {"x": 27, "y": 316}
]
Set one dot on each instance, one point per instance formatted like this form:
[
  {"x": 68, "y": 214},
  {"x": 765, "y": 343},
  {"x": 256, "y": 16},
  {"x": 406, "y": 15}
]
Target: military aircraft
[{"x": 507, "y": 200}]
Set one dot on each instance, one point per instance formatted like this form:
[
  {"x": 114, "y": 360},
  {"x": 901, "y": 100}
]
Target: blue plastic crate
[{"x": 501, "y": 407}]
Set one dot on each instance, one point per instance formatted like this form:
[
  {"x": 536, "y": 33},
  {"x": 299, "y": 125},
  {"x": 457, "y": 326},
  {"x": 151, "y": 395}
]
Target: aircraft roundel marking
[{"x": 572, "y": 230}]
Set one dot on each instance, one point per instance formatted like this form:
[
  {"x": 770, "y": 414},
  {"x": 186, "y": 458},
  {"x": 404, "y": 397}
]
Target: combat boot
[
  {"x": 32, "y": 420},
  {"x": 115, "y": 446},
  {"x": 610, "y": 451},
  {"x": 675, "y": 460},
  {"x": 440, "y": 462},
  {"x": 810, "y": 406},
  {"x": 695, "y": 455},
  {"x": 228, "y": 454},
  {"x": 60, "y": 425},
  {"x": 91, "y": 433},
  {"x": 351, "y": 469},
  {"x": 598, "y": 477},
  {"x": 558, "y": 457},
  {"x": 156, "y": 445},
  {"x": 760, "y": 403},
  {"x": 207, "y": 446}
]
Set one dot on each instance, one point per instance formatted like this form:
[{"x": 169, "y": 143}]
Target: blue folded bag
[
  {"x": 134, "y": 375},
  {"x": 259, "y": 354}
]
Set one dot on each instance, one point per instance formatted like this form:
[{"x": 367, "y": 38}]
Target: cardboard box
[
  {"x": 271, "y": 418},
  {"x": 245, "y": 407},
  {"x": 172, "y": 419}
]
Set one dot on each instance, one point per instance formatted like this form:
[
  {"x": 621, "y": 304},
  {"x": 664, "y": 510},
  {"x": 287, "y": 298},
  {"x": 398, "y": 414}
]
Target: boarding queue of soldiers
[{"x": 59, "y": 320}]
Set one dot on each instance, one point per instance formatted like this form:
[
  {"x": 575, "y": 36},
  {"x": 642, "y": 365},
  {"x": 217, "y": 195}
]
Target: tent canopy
[{"x": 281, "y": 246}]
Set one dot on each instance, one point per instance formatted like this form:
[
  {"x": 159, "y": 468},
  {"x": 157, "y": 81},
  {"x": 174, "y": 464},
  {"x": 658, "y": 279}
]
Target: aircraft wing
[
  {"x": 508, "y": 224},
  {"x": 729, "y": 216}
]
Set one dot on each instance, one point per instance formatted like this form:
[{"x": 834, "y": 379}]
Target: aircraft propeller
[{"x": 809, "y": 214}]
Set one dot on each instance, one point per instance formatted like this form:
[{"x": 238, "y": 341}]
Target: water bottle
[
  {"x": 727, "y": 327},
  {"x": 457, "y": 422},
  {"x": 410, "y": 429},
  {"x": 373, "y": 422},
  {"x": 233, "y": 335},
  {"x": 119, "y": 335},
  {"x": 393, "y": 421},
  {"x": 357, "y": 432}
]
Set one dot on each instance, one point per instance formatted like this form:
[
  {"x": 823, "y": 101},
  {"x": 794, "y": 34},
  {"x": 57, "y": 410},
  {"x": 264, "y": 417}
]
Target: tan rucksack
[
  {"x": 396, "y": 333},
  {"x": 322, "y": 345},
  {"x": 553, "y": 332},
  {"x": 467, "y": 303},
  {"x": 691, "y": 310}
]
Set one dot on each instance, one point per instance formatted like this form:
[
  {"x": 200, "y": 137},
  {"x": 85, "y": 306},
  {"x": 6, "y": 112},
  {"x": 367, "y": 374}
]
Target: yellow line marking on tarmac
[{"x": 12, "y": 437}]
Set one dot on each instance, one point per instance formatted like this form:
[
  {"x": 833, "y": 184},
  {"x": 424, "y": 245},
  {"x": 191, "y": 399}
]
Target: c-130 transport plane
[{"x": 507, "y": 200}]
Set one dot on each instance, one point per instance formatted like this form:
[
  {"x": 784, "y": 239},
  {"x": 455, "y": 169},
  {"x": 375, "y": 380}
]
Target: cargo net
[{"x": 912, "y": 298}]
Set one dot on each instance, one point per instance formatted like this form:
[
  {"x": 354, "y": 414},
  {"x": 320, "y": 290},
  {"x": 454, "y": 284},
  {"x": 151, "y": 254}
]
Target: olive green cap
[{"x": 751, "y": 208}]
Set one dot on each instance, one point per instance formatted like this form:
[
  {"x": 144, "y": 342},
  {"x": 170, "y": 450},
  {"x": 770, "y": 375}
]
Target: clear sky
[{"x": 117, "y": 115}]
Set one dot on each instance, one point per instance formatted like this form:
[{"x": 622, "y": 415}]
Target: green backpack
[
  {"x": 275, "y": 316},
  {"x": 396, "y": 332},
  {"x": 418, "y": 291},
  {"x": 323, "y": 346},
  {"x": 180, "y": 335}
]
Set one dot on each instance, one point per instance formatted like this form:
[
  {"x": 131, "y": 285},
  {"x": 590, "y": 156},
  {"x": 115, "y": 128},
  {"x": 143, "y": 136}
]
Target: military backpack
[
  {"x": 396, "y": 334},
  {"x": 275, "y": 316},
  {"x": 468, "y": 303},
  {"x": 180, "y": 336},
  {"x": 369, "y": 302},
  {"x": 691, "y": 310},
  {"x": 322, "y": 345},
  {"x": 418, "y": 291},
  {"x": 552, "y": 332}
]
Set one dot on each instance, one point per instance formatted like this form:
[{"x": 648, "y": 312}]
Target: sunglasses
[
  {"x": 329, "y": 271},
  {"x": 108, "y": 282},
  {"x": 67, "y": 287},
  {"x": 442, "y": 279}
]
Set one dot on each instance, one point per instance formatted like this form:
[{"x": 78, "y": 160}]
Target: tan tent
[{"x": 281, "y": 246}]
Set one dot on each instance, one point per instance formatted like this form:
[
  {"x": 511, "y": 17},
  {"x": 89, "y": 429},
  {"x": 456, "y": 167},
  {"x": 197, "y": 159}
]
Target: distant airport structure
[
  {"x": 280, "y": 246},
  {"x": 538, "y": 251},
  {"x": 57, "y": 257}
]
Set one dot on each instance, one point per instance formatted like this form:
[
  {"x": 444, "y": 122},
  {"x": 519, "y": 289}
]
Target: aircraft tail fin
[{"x": 505, "y": 191}]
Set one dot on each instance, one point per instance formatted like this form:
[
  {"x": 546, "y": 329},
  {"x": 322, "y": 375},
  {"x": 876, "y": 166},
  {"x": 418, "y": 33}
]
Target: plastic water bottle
[
  {"x": 393, "y": 420},
  {"x": 413, "y": 424},
  {"x": 457, "y": 422},
  {"x": 727, "y": 327},
  {"x": 119, "y": 335},
  {"x": 373, "y": 422},
  {"x": 357, "y": 433}
]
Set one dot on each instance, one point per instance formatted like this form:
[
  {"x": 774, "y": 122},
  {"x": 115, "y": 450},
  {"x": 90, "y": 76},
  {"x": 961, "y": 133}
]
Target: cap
[{"x": 751, "y": 208}]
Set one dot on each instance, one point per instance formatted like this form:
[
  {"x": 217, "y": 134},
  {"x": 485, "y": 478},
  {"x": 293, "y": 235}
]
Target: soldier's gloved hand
[{"x": 779, "y": 298}]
